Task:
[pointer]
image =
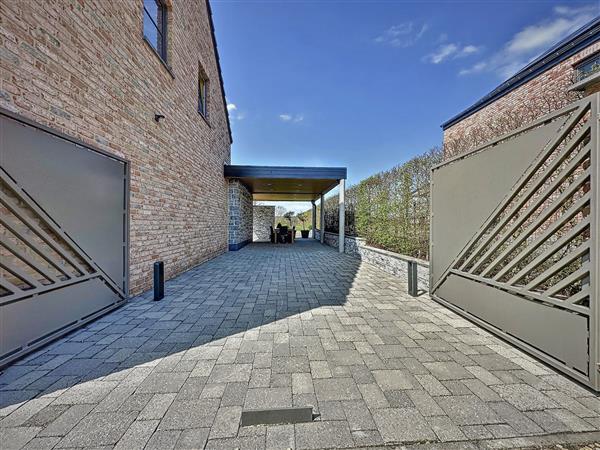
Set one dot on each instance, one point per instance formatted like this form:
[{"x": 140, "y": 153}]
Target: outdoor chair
[{"x": 283, "y": 235}]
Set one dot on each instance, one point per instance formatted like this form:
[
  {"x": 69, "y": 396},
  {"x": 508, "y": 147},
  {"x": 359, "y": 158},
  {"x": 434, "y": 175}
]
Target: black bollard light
[
  {"x": 159, "y": 280},
  {"x": 413, "y": 285}
]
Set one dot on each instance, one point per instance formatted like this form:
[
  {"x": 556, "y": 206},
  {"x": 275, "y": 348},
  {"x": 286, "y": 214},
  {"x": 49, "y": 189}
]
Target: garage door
[
  {"x": 63, "y": 235},
  {"x": 515, "y": 238}
]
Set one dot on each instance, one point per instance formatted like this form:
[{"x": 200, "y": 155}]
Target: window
[
  {"x": 155, "y": 26},
  {"x": 587, "y": 68},
  {"x": 202, "y": 92}
]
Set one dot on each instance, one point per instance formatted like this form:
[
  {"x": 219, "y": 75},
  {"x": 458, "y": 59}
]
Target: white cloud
[
  {"x": 286, "y": 117},
  {"x": 403, "y": 35},
  {"x": 451, "y": 51},
  {"x": 532, "y": 40},
  {"x": 234, "y": 114}
]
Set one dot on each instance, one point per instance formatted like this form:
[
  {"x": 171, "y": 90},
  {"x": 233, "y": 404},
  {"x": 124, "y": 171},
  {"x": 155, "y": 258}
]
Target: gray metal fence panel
[
  {"x": 514, "y": 238},
  {"x": 63, "y": 234}
]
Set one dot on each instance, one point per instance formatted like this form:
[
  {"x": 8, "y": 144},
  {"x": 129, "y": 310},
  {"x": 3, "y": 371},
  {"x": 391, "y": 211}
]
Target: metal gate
[
  {"x": 514, "y": 238},
  {"x": 63, "y": 234}
]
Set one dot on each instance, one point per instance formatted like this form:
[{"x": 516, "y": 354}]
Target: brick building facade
[
  {"x": 550, "y": 82},
  {"x": 85, "y": 69}
]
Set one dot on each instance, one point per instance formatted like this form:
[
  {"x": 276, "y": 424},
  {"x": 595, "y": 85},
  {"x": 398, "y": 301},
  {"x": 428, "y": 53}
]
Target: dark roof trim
[
  {"x": 572, "y": 44},
  {"x": 316, "y": 173},
  {"x": 214, "y": 40}
]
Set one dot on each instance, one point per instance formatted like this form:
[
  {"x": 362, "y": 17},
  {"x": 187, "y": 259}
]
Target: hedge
[{"x": 390, "y": 210}]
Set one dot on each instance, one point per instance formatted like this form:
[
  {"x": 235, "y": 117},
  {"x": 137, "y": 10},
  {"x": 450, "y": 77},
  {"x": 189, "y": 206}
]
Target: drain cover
[{"x": 275, "y": 416}]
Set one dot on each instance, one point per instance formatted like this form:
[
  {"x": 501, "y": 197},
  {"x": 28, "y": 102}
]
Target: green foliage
[
  {"x": 305, "y": 219},
  {"x": 289, "y": 216},
  {"x": 390, "y": 209}
]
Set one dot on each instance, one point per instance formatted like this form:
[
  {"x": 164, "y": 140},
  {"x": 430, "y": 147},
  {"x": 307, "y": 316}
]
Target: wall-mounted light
[{"x": 157, "y": 117}]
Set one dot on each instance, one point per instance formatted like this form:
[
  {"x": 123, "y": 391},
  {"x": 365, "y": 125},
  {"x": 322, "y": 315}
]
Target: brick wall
[
  {"x": 240, "y": 215},
  {"x": 82, "y": 68},
  {"x": 263, "y": 218},
  {"x": 546, "y": 93}
]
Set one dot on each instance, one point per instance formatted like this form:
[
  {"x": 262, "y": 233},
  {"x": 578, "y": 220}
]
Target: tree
[
  {"x": 289, "y": 216},
  {"x": 304, "y": 217}
]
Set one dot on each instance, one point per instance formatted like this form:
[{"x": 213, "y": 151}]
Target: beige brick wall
[
  {"x": 542, "y": 95},
  {"x": 82, "y": 68}
]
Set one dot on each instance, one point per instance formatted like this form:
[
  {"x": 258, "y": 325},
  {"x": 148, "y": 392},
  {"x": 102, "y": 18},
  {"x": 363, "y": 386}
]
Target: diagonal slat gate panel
[
  {"x": 520, "y": 257},
  {"x": 63, "y": 235}
]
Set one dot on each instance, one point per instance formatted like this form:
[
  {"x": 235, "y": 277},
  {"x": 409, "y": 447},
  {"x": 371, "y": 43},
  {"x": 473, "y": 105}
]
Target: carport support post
[
  {"x": 322, "y": 225},
  {"x": 342, "y": 218},
  {"x": 314, "y": 219}
]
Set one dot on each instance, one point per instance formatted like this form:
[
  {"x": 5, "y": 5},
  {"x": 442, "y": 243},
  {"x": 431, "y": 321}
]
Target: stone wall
[
  {"x": 263, "y": 218},
  {"x": 240, "y": 215},
  {"x": 545, "y": 93},
  {"x": 390, "y": 262},
  {"x": 84, "y": 69}
]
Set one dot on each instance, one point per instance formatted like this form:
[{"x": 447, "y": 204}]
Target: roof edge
[
  {"x": 564, "y": 49},
  {"x": 216, "y": 50}
]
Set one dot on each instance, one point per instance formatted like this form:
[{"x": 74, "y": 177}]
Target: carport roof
[{"x": 279, "y": 183}]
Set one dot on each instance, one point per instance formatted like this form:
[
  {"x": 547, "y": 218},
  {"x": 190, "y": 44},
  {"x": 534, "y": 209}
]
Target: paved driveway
[{"x": 279, "y": 326}]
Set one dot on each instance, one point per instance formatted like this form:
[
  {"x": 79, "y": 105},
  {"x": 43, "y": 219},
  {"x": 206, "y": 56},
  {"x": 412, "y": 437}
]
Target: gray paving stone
[
  {"x": 426, "y": 405},
  {"x": 234, "y": 395},
  {"x": 96, "y": 430},
  {"x": 163, "y": 440},
  {"x": 157, "y": 406},
  {"x": 302, "y": 383},
  {"x": 517, "y": 420},
  {"x": 373, "y": 396},
  {"x": 574, "y": 423},
  {"x": 344, "y": 357},
  {"x": 162, "y": 383},
  {"x": 332, "y": 410},
  {"x": 358, "y": 415},
  {"x": 432, "y": 385},
  {"x": 246, "y": 442},
  {"x": 25, "y": 412},
  {"x": 502, "y": 431},
  {"x": 16, "y": 438},
  {"x": 475, "y": 432},
  {"x": 468, "y": 410},
  {"x": 336, "y": 389},
  {"x": 524, "y": 397},
  {"x": 66, "y": 421},
  {"x": 291, "y": 364},
  {"x": 41, "y": 443},
  {"x": 263, "y": 398},
  {"x": 227, "y": 422},
  {"x": 445, "y": 429},
  {"x": 393, "y": 380},
  {"x": 280, "y": 437},
  {"x": 447, "y": 370},
  {"x": 192, "y": 439},
  {"x": 325, "y": 329},
  {"x": 402, "y": 425},
  {"x": 186, "y": 414},
  {"x": 367, "y": 438},
  {"x": 230, "y": 373},
  {"x": 137, "y": 435},
  {"x": 317, "y": 435}
]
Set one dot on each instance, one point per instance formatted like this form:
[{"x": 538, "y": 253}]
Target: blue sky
[{"x": 366, "y": 84}]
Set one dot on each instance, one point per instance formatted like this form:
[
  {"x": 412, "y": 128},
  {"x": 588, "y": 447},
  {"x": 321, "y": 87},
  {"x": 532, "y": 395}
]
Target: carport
[{"x": 281, "y": 183}]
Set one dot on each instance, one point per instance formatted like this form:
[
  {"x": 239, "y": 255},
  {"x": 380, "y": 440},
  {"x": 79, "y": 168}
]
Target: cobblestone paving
[{"x": 279, "y": 326}]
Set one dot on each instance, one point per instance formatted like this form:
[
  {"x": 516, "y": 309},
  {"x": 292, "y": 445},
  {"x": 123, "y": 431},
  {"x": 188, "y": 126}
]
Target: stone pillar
[
  {"x": 314, "y": 219},
  {"x": 342, "y": 218},
  {"x": 322, "y": 228}
]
